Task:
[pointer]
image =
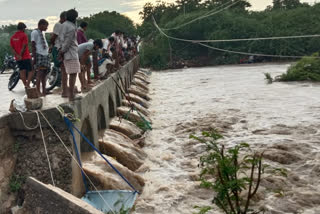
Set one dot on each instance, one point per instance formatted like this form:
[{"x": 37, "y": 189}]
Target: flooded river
[{"x": 282, "y": 119}]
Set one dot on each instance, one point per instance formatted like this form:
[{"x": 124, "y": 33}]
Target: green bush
[
  {"x": 155, "y": 54},
  {"x": 16, "y": 182},
  {"x": 4, "y": 47},
  {"x": 307, "y": 69},
  {"x": 229, "y": 172}
]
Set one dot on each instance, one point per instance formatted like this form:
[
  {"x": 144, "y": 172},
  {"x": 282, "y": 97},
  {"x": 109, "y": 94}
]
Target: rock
[
  {"x": 6, "y": 206},
  {"x": 123, "y": 149},
  {"x": 96, "y": 167},
  {"x": 16, "y": 210},
  {"x": 132, "y": 116},
  {"x": 33, "y": 104},
  {"x": 140, "y": 108},
  {"x": 126, "y": 127}
]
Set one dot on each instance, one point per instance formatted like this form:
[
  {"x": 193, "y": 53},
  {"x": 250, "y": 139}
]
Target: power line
[
  {"x": 256, "y": 54},
  {"x": 204, "y": 16},
  {"x": 237, "y": 52}
]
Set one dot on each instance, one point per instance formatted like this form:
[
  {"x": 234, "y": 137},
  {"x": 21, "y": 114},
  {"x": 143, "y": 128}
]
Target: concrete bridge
[{"x": 22, "y": 150}]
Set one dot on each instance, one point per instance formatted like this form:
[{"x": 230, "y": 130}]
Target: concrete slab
[{"x": 41, "y": 198}]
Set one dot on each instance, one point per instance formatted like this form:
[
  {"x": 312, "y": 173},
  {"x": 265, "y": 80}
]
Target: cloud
[
  {"x": 11, "y": 11},
  {"x": 32, "y": 23},
  {"x": 134, "y": 15}
]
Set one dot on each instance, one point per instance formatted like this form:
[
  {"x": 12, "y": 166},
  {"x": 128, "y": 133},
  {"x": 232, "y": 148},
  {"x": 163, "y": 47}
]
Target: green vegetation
[
  {"x": 268, "y": 78},
  {"x": 102, "y": 25},
  {"x": 5, "y": 33},
  {"x": 307, "y": 69},
  {"x": 16, "y": 182},
  {"x": 229, "y": 173},
  {"x": 283, "y": 18},
  {"x": 16, "y": 147}
]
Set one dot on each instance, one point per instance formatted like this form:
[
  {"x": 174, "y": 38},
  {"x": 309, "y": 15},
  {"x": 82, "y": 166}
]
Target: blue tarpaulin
[{"x": 114, "y": 201}]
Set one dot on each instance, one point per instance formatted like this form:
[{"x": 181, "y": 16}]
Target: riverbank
[{"x": 280, "y": 119}]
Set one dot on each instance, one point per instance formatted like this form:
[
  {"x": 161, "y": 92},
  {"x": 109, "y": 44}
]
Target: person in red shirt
[{"x": 19, "y": 47}]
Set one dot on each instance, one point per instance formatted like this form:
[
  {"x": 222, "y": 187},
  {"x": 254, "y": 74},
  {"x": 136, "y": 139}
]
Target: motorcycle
[
  {"x": 53, "y": 78},
  {"x": 8, "y": 63}
]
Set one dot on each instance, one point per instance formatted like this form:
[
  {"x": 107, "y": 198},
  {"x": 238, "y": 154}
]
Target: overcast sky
[{"x": 30, "y": 11}]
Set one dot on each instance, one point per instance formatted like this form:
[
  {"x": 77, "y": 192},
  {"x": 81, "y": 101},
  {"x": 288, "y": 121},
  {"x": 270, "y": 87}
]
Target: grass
[{"x": 16, "y": 182}]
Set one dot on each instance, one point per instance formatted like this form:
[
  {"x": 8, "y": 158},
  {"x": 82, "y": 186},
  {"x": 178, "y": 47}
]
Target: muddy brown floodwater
[{"x": 282, "y": 119}]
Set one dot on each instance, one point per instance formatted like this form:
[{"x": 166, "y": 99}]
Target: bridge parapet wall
[{"x": 25, "y": 147}]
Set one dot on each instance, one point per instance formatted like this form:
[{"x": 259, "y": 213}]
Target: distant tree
[
  {"x": 286, "y": 4},
  {"x": 211, "y": 4},
  {"x": 103, "y": 24},
  {"x": 187, "y": 6}
]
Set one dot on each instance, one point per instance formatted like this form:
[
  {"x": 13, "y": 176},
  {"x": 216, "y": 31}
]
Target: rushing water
[{"x": 281, "y": 119}]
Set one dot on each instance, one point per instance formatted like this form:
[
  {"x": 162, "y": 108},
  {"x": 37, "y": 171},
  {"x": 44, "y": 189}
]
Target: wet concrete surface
[{"x": 18, "y": 93}]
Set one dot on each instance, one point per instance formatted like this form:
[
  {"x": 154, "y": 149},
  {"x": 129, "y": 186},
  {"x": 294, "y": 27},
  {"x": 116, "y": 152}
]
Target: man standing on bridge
[
  {"x": 40, "y": 53},
  {"x": 85, "y": 50},
  {"x": 55, "y": 42},
  {"x": 69, "y": 50},
  {"x": 19, "y": 47}
]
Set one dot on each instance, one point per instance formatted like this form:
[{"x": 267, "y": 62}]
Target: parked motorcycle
[
  {"x": 53, "y": 78},
  {"x": 8, "y": 63}
]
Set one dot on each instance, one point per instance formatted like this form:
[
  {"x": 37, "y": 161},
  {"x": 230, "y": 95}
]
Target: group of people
[{"x": 71, "y": 52}]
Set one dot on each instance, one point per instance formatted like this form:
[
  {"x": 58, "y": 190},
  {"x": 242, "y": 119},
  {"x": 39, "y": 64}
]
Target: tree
[
  {"x": 103, "y": 24},
  {"x": 187, "y": 6},
  {"x": 286, "y": 4},
  {"x": 211, "y": 4}
]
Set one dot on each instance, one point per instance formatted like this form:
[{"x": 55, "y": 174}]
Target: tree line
[{"x": 282, "y": 18}]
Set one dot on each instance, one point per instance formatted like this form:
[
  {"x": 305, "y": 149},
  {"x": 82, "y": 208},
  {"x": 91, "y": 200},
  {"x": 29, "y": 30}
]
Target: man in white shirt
[
  {"x": 85, "y": 50},
  {"x": 69, "y": 50},
  {"x": 116, "y": 35},
  {"x": 55, "y": 45},
  {"x": 40, "y": 53},
  {"x": 107, "y": 45}
]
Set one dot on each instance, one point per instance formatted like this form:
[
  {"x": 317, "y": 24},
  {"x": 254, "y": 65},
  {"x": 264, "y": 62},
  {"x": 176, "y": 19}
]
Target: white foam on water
[{"x": 282, "y": 118}]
